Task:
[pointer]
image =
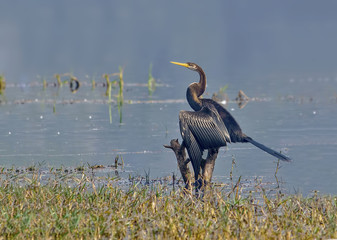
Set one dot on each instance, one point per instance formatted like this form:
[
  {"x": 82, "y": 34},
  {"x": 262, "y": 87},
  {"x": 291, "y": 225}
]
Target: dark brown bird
[{"x": 210, "y": 125}]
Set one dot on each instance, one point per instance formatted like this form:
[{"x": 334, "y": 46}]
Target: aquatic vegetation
[
  {"x": 109, "y": 84},
  {"x": 2, "y": 83},
  {"x": 44, "y": 84},
  {"x": 117, "y": 163},
  {"x": 108, "y": 93},
  {"x": 93, "y": 83},
  {"x": 120, "y": 96},
  {"x": 223, "y": 89},
  {"x": 221, "y": 96},
  {"x": 151, "y": 83},
  {"x": 85, "y": 209},
  {"x": 121, "y": 85},
  {"x": 58, "y": 78},
  {"x": 74, "y": 83}
]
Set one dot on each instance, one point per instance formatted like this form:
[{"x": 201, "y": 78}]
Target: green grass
[{"x": 32, "y": 208}]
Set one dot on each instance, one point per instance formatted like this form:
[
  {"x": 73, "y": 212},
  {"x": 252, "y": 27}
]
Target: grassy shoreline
[{"x": 31, "y": 208}]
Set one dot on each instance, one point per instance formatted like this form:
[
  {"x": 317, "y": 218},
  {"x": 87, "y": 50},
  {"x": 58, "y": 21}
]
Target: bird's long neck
[
  {"x": 195, "y": 90},
  {"x": 202, "y": 82}
]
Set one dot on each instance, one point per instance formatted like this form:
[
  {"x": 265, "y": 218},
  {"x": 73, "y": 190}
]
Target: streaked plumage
[
  {"x": 202, "y": 130},
  {"x": 210, "y": 125}
]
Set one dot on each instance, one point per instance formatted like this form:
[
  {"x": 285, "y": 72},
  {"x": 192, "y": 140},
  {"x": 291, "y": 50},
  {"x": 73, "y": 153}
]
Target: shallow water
[
  {"x": 54, "y": 127},
  {"x": 281, "y": 56}
]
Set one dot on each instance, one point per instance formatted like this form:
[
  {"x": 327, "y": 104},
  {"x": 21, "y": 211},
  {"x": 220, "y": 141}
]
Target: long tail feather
[{"x": 268, "y": 150}]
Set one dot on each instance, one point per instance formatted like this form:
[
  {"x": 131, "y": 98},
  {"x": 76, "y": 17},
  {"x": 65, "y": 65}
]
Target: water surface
[
  {"x": 280, "y": 54},
  {"x": 55, "y": 127}
]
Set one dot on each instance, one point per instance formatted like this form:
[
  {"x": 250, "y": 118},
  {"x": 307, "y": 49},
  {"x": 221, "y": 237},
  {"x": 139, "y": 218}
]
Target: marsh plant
[
  {"x": 120, "y": 96},
  {"x": 93, "y": 83},
  {"x": 44, "y": 83},
  {"x": 2, "y": 84},
  {"x": 121, "y": 86},
  {"x": 110, "y": 84},
  {"x": 58, "y": 79},
  {"x": 151, "y": 83},
  {"x": 70, "y": 79},
  {"x": 75, "y": 206}
]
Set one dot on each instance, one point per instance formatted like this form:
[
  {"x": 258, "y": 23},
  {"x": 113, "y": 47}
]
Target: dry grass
[{"x": 32, "y": 208}]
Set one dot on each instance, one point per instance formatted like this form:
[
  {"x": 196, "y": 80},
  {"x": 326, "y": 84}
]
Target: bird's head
[{"x": 189, "y": 65}]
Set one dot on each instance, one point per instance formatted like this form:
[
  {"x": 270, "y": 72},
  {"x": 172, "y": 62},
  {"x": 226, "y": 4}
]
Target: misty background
[{"x": 229, "y": 39}]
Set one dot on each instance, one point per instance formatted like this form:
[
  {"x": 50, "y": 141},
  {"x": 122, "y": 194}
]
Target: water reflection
[
  {"x": 242, "y": 99},
  {"x": 120, "y": 96}
]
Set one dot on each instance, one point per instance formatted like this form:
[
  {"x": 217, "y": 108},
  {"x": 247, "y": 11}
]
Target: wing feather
[
  {"x": 202, "y": 130},
  {"x": 191, "y": 144},
  {"x": 233, "y": 127}
]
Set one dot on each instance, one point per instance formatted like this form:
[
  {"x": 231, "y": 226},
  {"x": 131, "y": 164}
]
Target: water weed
[
  {"x": 151, "y": 83},
  {"x": 2, "y": 84}
]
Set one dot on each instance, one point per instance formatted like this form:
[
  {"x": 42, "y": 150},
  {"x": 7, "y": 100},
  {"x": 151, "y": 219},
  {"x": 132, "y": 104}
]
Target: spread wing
[
  {"x": 233, "y": 127},
  {"x": 201, "y": 130}
]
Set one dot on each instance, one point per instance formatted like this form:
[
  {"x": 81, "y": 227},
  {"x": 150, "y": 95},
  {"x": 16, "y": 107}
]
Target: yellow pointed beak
[{"x": 180, "y": 64}]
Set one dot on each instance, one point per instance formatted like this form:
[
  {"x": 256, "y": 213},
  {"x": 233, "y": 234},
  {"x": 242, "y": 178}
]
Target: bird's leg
[
  {"x": 187, "y": 161},
  {"x": 179, "y": 151},
  {"x": 208, "y": 165}
]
